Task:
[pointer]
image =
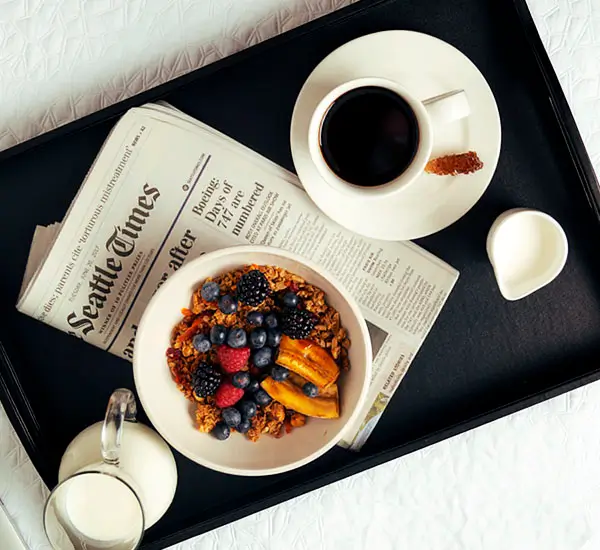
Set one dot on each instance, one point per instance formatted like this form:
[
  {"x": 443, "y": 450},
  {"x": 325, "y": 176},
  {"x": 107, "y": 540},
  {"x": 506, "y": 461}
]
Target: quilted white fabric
[
  {"x": 528, "y": 481},
  {"x": 63, "y": 59}
]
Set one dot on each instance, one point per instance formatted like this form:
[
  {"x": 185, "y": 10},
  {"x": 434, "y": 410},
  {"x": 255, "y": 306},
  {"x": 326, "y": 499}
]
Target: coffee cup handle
[{"x": 447, "y": 107}]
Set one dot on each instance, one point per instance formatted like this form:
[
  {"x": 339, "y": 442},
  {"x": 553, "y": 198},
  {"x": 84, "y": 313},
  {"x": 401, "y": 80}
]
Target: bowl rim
[{"x": 256, "y": 249}]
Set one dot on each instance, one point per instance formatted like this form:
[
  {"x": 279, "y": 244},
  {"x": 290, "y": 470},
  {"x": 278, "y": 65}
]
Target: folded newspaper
[{"x": 165, "y": 189}]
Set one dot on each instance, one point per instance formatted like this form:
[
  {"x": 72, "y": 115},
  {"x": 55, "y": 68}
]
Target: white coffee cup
[{"x": 439, "y": 110}]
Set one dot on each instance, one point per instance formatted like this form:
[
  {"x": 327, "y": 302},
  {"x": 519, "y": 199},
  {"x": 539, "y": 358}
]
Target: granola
[{"x": 217, "y": 379}]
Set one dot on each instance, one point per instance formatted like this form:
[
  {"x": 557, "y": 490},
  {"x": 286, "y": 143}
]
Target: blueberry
[
  {"x": 236, "y": 338},
  {"x": 218, "y": 335},
  {"x": 247, "y": 409},
  {"x": 279, "y": 374},
  {"x": 253, "y": 386},
  {"x": 201, "y": 343},
  {"x": 255, "y": 318},
  {"x": 244, "y": 426},
  {"x": 231, "y": 416},
  {"x": 262, "y": 357},
  {"x": 290, "y": 299},
  {"x": 271, "y": 320},
  {"x": 210, "y": 291},
  {"x": 262, "y": 397},
  {"x": 258, "y": 338},
  {"x": 273, "y": 337},
  {"x": 227, "y": 304},
  {"x": 240, "y": 380},
  {"x": 310, "y": 389},
  {"x": 221, "y": 431}
]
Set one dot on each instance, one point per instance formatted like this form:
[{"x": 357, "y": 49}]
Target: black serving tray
[{"x": 484, "y": 358}]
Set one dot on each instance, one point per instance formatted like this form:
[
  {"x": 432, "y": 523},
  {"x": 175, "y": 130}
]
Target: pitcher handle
[{"x": 121, "y": 407}]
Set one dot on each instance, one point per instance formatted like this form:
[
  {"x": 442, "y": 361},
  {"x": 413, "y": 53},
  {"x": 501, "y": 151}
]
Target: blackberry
[
  {"x": 205, "y": 380},
  {"x": 297, "y": 323},
  {"x": 253, "y": 288}
]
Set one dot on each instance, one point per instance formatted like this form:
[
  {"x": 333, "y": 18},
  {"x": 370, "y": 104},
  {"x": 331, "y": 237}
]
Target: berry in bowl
[
  {"x": 247, "y": 346},
  {"x": 265, "y": 364}
]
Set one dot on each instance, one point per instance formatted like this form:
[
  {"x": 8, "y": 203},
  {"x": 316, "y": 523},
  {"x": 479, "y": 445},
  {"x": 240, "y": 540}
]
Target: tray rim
[{"x": 14, "y": 398}]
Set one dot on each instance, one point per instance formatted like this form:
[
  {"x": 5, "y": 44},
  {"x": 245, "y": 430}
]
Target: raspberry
[
  {"x": 228, "y": 395},
  {"x": 253, "y": 288},
  {"x": 232, "y": 359}
]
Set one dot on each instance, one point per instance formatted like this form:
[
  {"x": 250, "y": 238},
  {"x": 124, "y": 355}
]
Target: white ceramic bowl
[{"x": 172, "y": 414}]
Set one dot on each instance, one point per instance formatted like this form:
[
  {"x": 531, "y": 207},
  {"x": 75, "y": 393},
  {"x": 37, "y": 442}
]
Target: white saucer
[{"x": 426, "y": 67}]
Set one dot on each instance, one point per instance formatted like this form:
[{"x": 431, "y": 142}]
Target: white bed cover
[{"x": 528, "y": 481}]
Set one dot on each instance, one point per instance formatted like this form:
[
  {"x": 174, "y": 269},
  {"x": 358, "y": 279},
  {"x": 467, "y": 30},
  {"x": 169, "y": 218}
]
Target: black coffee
[{"x": 369, "y": 136}]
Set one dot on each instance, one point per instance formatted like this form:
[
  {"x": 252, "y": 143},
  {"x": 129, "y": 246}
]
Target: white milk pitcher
[
  {"x": 527, "y": 249},
  {"x": 116, "y": 479}
]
